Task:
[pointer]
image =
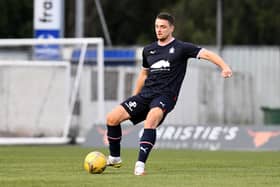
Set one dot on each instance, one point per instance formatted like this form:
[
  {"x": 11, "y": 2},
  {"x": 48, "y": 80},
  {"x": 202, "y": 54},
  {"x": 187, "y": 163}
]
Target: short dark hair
[{"x": 166, "y": 16}]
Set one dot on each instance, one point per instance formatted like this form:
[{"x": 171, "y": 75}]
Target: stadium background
[
  {"x": 250, "y": 98},
  {"x": 212, "y": 118}
]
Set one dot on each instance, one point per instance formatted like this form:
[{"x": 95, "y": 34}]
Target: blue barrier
[{"x": 112, "y": 57}]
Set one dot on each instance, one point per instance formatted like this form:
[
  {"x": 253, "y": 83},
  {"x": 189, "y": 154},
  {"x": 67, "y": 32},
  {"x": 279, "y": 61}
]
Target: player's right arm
[
  {"x": 216, "y": 59},
  {"x": 141, "y": 80}
]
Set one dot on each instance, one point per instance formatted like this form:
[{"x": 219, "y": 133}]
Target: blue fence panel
[{"x": 112, "y": 57}]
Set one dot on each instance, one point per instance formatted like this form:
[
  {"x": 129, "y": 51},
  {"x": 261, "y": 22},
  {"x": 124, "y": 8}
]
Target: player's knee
[
  {"x": 112, "y": 119},
  {"x": 116, "y": 116},
  {"x": 154, "y": 118}
]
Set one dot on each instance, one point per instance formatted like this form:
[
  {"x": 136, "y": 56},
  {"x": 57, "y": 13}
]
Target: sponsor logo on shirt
[{"x": 162, "y": 65}]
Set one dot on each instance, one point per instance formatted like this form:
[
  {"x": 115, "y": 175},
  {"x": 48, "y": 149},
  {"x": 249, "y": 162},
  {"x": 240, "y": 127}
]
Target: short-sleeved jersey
[{"x": 167, "y": 67}]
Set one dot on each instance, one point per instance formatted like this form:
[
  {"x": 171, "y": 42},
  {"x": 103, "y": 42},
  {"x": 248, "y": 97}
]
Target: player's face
[{"x": 163, "y": 29}]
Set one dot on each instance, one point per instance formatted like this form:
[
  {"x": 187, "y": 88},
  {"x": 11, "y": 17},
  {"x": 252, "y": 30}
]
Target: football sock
[
  {"x": 147, "y": 142},
  {"x": 114, "y": 135}
]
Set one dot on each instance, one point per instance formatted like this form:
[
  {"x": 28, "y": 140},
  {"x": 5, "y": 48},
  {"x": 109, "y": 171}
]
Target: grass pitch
[{"x": 63, "y": 166}]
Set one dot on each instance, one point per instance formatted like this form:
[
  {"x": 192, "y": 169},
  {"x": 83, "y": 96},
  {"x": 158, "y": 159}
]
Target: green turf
[{"x": 62, "y": 166}]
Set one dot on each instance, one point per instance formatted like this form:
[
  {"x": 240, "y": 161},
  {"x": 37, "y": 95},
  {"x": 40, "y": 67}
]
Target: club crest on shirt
[{"x": 172, "y": 50}]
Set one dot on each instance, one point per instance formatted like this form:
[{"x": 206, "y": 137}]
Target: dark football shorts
[{"x": 138, "y": 106}]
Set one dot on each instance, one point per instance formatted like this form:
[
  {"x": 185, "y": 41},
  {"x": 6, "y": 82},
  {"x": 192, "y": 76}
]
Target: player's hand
[{"x": 226, "y": 72}]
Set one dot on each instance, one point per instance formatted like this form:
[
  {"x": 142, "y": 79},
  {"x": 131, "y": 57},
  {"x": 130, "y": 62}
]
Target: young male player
[{"x": 157, "y": 89}]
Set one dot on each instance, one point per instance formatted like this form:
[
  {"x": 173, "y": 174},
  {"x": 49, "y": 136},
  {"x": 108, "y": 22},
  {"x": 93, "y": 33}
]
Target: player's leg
[
  {"x": 114, "y": 134},
  {"x": 148, "y": 138},
  {"x": 160, "y": 107}
]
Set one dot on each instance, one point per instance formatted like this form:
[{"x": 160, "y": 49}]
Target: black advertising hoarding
[{"x": 198, "y": 137}]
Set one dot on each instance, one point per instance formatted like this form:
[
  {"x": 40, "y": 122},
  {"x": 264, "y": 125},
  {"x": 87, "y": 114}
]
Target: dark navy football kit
[{"x": 167, "y": 68}]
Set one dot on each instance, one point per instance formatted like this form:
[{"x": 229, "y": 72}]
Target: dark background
[{"x": 131, "y": 22}]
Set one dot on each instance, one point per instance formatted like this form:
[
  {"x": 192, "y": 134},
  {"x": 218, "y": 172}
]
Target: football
[{"x": 95, "y": 162}]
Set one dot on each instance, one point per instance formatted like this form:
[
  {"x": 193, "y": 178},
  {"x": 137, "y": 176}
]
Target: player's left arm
[{"x": 216, "y": 59}]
